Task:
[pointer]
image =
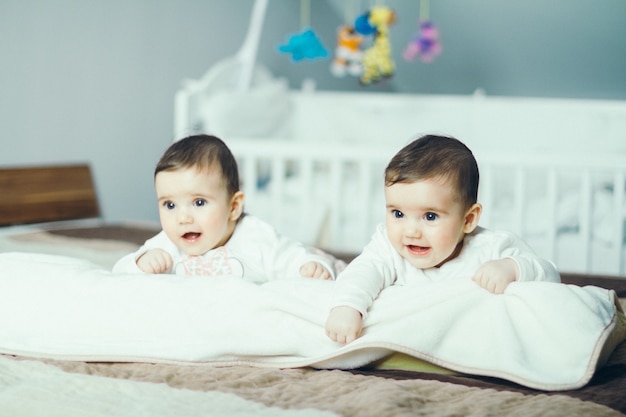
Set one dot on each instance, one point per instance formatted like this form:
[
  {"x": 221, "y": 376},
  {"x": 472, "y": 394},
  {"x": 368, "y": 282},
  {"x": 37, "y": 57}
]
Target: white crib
[{"x": 552, "y": 170}]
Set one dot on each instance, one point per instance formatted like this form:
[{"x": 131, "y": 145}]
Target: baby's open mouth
[
  {"x": 191, "y": 235},
  {"x": 418, "y": 249}
]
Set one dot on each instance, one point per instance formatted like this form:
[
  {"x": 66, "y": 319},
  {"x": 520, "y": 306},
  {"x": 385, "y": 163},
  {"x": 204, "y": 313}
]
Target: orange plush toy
[{"x": 348, "y": 54}]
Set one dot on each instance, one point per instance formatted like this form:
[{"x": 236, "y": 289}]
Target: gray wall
[{"x": 93, "y": 80}]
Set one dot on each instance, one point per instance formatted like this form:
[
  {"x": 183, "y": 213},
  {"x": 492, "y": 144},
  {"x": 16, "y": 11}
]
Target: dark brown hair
[
  {"x": 202, "y": 152},
  {"x": 433, "y": 156}
]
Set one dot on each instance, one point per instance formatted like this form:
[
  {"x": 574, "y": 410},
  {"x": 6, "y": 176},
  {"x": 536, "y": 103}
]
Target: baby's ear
[
  {"x": 236, "y": 205},
  {"x": 471, "y": 217}
]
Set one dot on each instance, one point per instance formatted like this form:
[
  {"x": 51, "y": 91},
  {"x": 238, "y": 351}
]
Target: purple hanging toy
[{"x": 425, "y": 44}]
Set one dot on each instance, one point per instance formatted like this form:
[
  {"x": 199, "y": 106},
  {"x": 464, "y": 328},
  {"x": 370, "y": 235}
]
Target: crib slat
[
  {"x": 305, "y": 171},
  {"x": 619, "y": 213},
  {"x": 248, "y": 166},
  {"x": 335, "y": 204},
  {"x": 551, "y": 197},
  {"x": 519, "y": 201},
  {"x": 365, "y": 201},
  {"x": 585, "y": 217},
  {"x": 277, "y": 191}
]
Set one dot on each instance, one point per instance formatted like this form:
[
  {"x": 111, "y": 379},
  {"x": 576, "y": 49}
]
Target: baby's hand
[
  {"x": 155, "y": 261},
  {"x": 315, "y": 270},
  {"x": 496, "y": 275},
  {"x": 344, "y": 324}
]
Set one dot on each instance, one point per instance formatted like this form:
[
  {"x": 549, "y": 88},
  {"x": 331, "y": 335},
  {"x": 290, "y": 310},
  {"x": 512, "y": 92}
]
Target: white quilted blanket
[{"x": 543, "y": 335}]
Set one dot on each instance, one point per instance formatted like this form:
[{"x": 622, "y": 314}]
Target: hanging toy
[
  {"x": 348, "y": 54},
  {"x": 363, "y": 26},
  {"x": 425, "y": 44},
  {"x": 377, "y": 60},
  {"x": 306, "y": 44}
]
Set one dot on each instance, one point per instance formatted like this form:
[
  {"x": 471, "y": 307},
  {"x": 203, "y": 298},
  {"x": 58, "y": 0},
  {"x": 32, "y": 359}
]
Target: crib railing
[
  {"x": 588, "y": 177},
  {"x": 331, "y": 196},
  {"x": 337, "y": 181}
]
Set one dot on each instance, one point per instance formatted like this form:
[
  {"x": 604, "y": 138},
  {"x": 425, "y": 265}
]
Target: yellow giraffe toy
[{"x": 377, "y": 61}]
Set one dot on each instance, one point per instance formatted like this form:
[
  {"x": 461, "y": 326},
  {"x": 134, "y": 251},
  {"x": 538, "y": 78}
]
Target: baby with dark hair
[
  {"x": 205, "y": 229},
  {"x": 430, "y": 234}
]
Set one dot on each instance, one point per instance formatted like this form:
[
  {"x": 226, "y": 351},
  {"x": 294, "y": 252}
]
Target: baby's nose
[
  {"x": 184, "y": 217},
  {"x": 413, "y": 229}
]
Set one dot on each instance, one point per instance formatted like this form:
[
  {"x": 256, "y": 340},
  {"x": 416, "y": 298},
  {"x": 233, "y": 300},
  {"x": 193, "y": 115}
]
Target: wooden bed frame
[{"x": 47, "y": 193}]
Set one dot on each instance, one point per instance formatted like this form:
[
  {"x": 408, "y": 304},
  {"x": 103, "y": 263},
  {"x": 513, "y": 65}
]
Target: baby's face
[
  {"x": 425, "y": 221},
  {"x": 195, "y": 209}
]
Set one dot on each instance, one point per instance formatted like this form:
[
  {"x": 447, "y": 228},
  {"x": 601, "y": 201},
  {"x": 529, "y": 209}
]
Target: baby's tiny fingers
[
  {"x": 325, "y": 275},
  {"x": 307, "y": 270}
]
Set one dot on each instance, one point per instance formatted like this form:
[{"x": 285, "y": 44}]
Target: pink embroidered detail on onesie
[{"x": 212, "y": 263}]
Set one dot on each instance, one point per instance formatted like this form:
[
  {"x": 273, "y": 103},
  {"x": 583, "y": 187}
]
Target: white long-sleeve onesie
[
  {"x": 255, "y": 252},
  {"x": 380, "y": 265}
]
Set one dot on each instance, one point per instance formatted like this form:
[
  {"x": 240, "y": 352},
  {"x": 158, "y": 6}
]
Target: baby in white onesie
[
  {"x": 205, "y": 230},
  {"x": 431, "y": 233}
]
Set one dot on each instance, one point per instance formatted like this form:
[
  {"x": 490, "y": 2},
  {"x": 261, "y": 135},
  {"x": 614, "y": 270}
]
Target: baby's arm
[
  {"x": 497, "y": 274},
  {"x": 344, "y": 324},
  {"x": 358, "y": 286},
  {"x": 155, "y": 261},
  {"x": 131, "y": 264},
  {"x": 287, "y": 257},
  {"x": 314, "y": 269},
  {"x": 513, "y": 260}
]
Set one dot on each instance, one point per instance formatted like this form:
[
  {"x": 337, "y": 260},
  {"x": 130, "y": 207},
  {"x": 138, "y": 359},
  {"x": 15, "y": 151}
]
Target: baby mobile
[
  {"x": 425, "y": 43},
  {"x": 364, "y": 48},
  {"x": 305, "y": 44}
]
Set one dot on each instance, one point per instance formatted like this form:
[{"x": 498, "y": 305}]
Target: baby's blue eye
[
  {"x": 200, "y": 202},
  {"x": 397, "y": 214},
  {"x": 430, "y": 216},
  {"x": 169, "y": 205}
]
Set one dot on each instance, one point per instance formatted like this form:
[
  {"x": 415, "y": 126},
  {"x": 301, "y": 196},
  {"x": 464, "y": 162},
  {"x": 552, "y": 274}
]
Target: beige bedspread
[{"x": 353, "y": 394}]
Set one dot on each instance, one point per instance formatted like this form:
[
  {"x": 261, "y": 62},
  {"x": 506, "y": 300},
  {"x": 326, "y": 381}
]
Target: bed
[
  {"x": 311, "y": 164},
  {"x": 396, "y": 384}
]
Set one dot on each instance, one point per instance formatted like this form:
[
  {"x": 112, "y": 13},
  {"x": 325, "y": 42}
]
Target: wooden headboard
[{"x": 47, "y": 193}]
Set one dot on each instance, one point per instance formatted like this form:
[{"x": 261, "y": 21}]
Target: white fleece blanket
[{"x": 543, "y": 335}]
